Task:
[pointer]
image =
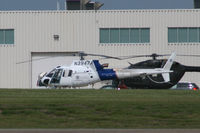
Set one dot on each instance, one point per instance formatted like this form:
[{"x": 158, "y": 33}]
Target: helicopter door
[
  {"x": 67, "y": 73},
  {"x": 66, "y": 79},
  {"x": 57, "y": 76}
]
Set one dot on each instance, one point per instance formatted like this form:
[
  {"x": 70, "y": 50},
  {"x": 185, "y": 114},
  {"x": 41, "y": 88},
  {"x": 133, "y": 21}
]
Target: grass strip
[{"x": 21, "y": 108}]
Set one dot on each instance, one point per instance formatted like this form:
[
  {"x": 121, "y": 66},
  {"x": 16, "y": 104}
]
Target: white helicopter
[{"x": 85, "y": 72}]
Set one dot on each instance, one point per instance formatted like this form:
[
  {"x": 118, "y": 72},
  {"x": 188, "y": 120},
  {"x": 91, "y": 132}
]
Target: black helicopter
[{"x": 156, "y": 81}]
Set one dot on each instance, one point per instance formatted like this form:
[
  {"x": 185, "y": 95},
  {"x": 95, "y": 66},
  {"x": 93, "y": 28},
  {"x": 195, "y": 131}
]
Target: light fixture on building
[{"x": 56, "y": 37}]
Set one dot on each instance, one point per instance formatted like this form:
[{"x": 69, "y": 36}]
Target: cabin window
[
  {"x": 63, "y": 73},
  {"x": 67, "y": 73},
  {"x": 70, "y": 73}
]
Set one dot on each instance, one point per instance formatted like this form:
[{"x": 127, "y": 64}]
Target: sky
[{"x": 108, "y": 4}]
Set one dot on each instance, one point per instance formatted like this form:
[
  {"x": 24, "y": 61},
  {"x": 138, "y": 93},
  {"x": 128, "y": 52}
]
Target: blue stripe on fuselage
[
  {"x": 107, "y": 74},
  {"x": 104, "y": 74}
]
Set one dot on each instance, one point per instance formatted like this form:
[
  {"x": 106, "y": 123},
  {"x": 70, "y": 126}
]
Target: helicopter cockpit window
[
  {"x": 70, "y": 73},
  {"x": 50, "y": 74},
  {"x": 56, "y": 77}
]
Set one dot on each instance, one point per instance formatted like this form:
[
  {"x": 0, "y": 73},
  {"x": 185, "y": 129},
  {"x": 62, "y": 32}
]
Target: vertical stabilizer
[
  {"x": 168, "y": 66},
  {"x": 169, "y": 62}
]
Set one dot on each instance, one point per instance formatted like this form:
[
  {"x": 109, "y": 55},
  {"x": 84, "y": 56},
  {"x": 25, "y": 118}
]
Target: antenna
[
  {"x": 65, "y": 5},
  {"x": 58, "y": 5}
]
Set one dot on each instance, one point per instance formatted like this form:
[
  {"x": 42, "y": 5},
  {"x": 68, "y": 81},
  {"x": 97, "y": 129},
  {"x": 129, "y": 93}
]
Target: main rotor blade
[
  {"x": 138, "y": 56},
  {"x": 80, "y": 54},
  {"x": 27, "y": 61},
  {"x": 42, "y": 58},
  {"x": 188, "y": 55},
  {"x": 105, "y": 56}
]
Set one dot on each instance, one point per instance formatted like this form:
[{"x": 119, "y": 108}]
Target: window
[
  {"x": 6, "y": 36},
  {"x": 2, "y": 37},
  {"x": 184, "y": 35},
  {"x": 199, "y": 34},
  {"x": 57, "y": 76},
  {"x": 172, "y": 35},
  {"x": 145, "y": 35},
  {"x": 124, "y": 35},
  {"x": 134, "y": 35},
  {"x": 193, "y": 35},
  {"x": 114, "y": 35},
  {"x": 50, "y": 74},
  {"x": 104, "y": 36},
  {"x": 63, "y": 73},
  {"x": 70, "y": 73}
]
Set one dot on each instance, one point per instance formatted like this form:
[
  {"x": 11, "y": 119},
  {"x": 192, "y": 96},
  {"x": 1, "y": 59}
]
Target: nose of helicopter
[
  {"x": 42, "y": 81},
  {"x": 39, "y": 83}
]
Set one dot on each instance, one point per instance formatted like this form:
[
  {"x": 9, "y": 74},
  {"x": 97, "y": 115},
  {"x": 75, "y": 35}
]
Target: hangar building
[{"x": 29, "y": 38}]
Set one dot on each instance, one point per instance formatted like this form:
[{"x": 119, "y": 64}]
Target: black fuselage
[{"x": 156, "y": 81}]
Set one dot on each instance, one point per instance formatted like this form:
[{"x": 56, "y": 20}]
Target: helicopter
[
  {"x": 156, "y": 82},
  {"x": 84, "y": 72}
]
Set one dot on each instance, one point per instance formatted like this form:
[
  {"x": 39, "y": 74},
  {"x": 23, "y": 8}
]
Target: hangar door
[{"x": 45, "y": 62}]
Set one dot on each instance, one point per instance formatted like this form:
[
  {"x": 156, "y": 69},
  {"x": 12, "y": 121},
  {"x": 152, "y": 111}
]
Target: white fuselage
[{"x": 81, "y": 76}]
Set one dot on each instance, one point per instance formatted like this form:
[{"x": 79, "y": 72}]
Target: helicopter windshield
[
  {"x": 57, "y": 75},
  {"x": 50, "y": 74}
]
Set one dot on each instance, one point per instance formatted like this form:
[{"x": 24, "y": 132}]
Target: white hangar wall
[{"x": 79, "y": 31}]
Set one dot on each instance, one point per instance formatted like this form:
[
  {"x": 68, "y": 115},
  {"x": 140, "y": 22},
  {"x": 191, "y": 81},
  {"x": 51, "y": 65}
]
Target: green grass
[{"x": 99, "y": 109}]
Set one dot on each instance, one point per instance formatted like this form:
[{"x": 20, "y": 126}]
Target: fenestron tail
[{"x": 168, "y": 66}]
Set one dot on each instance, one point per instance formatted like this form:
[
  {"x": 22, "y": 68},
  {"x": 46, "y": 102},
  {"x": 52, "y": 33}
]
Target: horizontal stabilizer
[{"x": 166, "y": 77}]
